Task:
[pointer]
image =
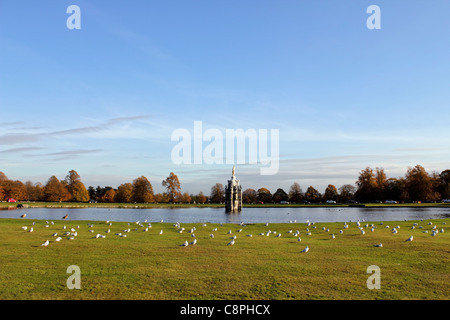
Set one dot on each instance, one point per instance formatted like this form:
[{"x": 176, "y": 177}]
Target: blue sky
[{"x": 104, "y": 100}]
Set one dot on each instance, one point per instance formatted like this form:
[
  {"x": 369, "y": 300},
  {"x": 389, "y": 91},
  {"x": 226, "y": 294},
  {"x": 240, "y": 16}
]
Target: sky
[{"x": 105, "y": 99}]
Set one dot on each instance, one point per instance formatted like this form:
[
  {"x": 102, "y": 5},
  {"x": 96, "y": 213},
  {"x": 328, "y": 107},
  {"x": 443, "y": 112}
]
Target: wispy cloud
[
  {"x": 22, "y": 149},
  {"x": 67, "y": 154},
  {"x": 27, "y": 137}
]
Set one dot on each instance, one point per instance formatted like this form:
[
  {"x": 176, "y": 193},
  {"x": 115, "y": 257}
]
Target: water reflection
[{"x": 218, "y": 215}]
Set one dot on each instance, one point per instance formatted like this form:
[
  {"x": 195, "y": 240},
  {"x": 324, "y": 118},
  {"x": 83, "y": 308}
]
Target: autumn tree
[
  {"x": 346, "y": 193},
  {"x": 109, "y": 196},
  {"x": 380, "y": 179},
  {"x": 264, "y": 195},
  {"x": 367, "y": 186},
  {"x": 217, "y": 193},
  {"x": 124, "y": 193},
  {"x": 173, "y": 187},
  {"x": 280, "y": 195},
  {"x": 444, "y": 186},
  {"x": 331, "y": 193},
  {"x": 35, "y": 191},
  {"x": 142, "y": 190},
  {"x": 201, "y": 198},
  {"x": 295, "y": 193},
  {"x": 76, "y": 187},
  {"x": 419, "y": 184},
  {"x": 312, "y": 195},
  {"x": 161, "y": 198},
  {"x": 249, "y": 196},
  {"x": 14, "y": 189},
  {"x": 56, "y": 191},
  {"x": 3, "y": 177},
  {"x": 186, "y": 198}
]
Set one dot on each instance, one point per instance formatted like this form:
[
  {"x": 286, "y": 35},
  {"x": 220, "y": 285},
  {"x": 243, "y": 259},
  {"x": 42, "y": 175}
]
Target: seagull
[
  {"x": 410, "y": 239},
  {"x": 45, "y": 243},
  {"x": 58, "y": 239},
  {"x": 24, "y": 228},
  {"x": 31, "y": 229},
  {"x": 211, "y": 235},
  {"x": 299, "y": 239},
  {"x": 306, "y": 249},
  {"x": 363, "y": 232},
  {"x": 55, "y": 234},
  {"x": 194, "y": 242},
  {"x": 333, "y": 236},
  {"x": 161, "y": 232},
  {"x": 185, "y": 244},
  {"x": 24, "y": 215},
  {"x": 230, "y": 243}
]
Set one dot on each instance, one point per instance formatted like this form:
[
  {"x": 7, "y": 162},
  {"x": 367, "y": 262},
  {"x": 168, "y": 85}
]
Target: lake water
[{"x": 218, "y": 215}]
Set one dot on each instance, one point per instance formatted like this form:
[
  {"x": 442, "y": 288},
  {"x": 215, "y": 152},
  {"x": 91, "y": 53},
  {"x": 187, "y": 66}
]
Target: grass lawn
[{"x": 150, "y": 265}]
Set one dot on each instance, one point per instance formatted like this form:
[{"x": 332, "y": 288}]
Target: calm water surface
[{"x": 218, "y": 215}]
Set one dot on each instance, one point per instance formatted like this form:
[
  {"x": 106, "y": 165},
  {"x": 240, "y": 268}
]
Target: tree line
[{"x": 372, "y": 185}]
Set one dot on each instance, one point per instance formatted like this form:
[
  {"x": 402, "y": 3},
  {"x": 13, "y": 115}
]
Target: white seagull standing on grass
[
  {"x": 410, "y": 239},
  {"x": 46, "y": 242},
  {"x": 306, "y": 249}
]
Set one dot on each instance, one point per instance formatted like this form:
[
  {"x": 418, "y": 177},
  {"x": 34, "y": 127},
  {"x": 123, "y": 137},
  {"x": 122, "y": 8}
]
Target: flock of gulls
[{"x": 72, "y": 233}]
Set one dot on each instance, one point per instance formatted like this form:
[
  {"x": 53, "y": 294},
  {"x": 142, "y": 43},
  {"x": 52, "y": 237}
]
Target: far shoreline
[{"x": 30, "y": 204}]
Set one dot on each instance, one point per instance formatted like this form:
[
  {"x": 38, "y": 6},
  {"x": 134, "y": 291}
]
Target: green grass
[{"x": 147, "y": 265}]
